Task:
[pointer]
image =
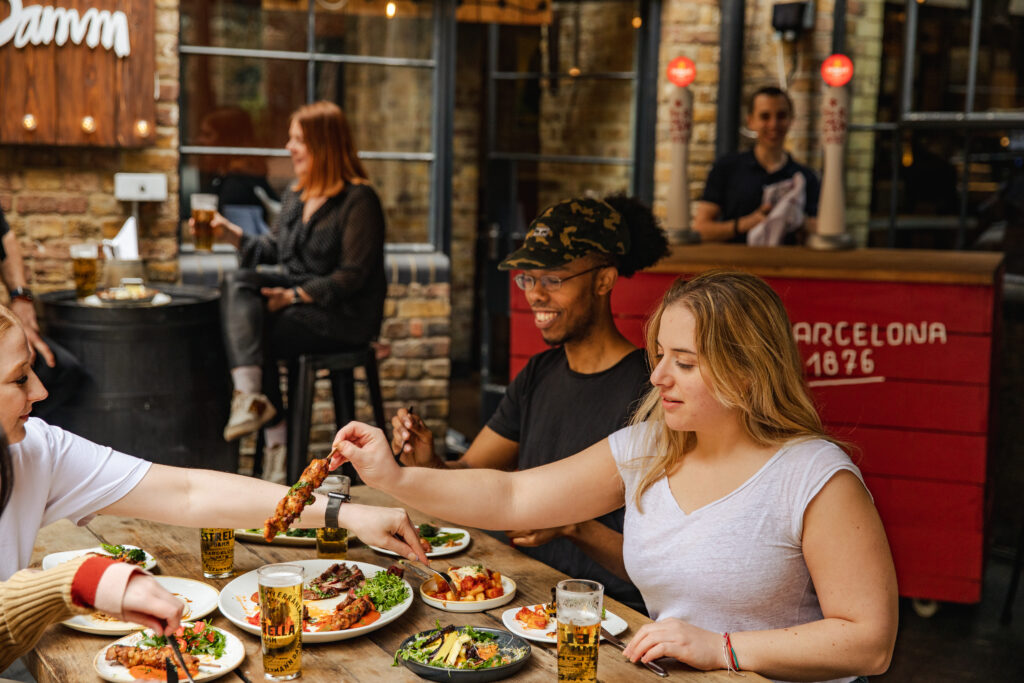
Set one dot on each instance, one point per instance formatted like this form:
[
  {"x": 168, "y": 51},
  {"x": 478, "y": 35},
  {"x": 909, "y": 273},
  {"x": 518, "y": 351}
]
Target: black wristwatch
[
  {"x": 334, "y": 501},
  {"x": 296, "y": 297},
  {"x": 22, "y": 293}
]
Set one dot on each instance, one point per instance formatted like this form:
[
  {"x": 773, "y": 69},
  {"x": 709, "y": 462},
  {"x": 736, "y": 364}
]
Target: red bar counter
[{"x": 899, "y": 349}]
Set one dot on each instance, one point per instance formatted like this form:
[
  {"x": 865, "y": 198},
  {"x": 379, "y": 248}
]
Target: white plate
[
  {"x": 471, "y": 605},
  {"x": 615, "y": 625},
  {"x": 53, "y": 559},
  {"x": 280, "y": 539},
  {"x": 236, "y": 601},
  {"x": 457, "y": 547},
  {"x": 200, "y": 599},
  {"x": 209, "y": 667}
]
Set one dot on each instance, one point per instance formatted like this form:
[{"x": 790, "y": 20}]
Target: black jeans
[
  {"x": 255, "y": 336},
  {"x": 61, "y": 381}
]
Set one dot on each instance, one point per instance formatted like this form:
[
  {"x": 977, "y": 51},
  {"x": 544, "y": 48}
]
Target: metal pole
[
  {"x": 645, "y": 103},
  {"x": 730, "y": 75},
  {"x": 439, "y": 227},
  {"x": 839, "y": 27},
  {"x": 972, "y": 83}
]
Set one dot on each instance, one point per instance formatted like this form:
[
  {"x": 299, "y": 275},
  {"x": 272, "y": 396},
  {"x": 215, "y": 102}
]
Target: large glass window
[{"x": 246, "y": 65}]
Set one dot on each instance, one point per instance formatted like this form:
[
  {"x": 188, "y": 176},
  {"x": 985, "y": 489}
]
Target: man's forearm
[
  {"x": 601, "y": 544},
  {"x": 12, "y": 268}
]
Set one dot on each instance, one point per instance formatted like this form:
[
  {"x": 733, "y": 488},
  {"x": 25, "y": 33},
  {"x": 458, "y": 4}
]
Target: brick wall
[{"x": 54, "y": 196}]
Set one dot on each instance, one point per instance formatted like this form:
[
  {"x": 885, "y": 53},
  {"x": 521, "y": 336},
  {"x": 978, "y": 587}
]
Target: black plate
[{"x": 505, "y": 641}]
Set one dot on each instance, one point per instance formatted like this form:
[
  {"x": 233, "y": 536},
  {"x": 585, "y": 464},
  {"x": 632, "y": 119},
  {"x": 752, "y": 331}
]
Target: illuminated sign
[
  {"x": 681, "y": 71},
  {"x": 39, "y": 25},
  {"x": 837, "y": 70}
]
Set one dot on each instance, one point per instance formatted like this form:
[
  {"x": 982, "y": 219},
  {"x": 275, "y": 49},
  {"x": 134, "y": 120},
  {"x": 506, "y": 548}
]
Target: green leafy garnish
[
  {"x": 208, "y": 641},
  {"x": 385, "y": 590},
  {"x": 301, "y": 533},
  {"x": 427, "y": 530}
]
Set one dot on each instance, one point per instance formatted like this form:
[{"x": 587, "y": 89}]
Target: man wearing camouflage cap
[{"x": 576, "y": 393}]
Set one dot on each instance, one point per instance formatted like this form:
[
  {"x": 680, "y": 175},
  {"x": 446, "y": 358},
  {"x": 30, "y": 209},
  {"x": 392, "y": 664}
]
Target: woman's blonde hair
[
  {"x": 7, "y": 320},
  {"x": 333, "y": 159},
  {"x": 746, "y": 355}
]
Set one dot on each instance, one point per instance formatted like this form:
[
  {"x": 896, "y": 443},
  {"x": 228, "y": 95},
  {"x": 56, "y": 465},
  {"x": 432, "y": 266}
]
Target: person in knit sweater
[{"x": 31, "y": 600}]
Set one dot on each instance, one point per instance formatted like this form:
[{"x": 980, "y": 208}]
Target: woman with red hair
[{"x": 328, "y": 293}]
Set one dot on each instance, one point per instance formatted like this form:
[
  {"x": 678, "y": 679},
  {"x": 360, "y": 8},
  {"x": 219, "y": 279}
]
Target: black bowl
[{"x": 505, "y": 641}]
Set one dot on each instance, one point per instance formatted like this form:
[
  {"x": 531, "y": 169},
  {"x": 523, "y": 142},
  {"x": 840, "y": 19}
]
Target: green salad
[
  {"x": 195, "y": 639},
  {"x": 386, "y": 590},
  {"x": 463, "y": 648},
  {"x": 432, "y": 535},
  {"x": 129, "y": 555},
  {"x": 294, "y": 533}
]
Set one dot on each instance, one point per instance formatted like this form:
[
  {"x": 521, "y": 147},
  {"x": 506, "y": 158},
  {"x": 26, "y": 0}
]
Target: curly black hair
[{"x": 647, "y": 241}]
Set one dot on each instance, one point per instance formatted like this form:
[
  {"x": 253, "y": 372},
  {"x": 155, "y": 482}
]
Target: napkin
[{"x": 125, "y": 245}]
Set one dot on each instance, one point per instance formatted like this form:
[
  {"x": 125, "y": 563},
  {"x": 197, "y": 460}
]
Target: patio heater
[
  {"x": 836, "y": 71},
  {"x": 681, "y": 73}
]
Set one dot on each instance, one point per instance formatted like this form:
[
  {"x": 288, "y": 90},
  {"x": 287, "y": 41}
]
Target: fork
[
  {"x": 447, "y": 580},
  {"x": 181, "y": 660}
]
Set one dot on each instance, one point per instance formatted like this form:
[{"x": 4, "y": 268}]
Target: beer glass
[
  {"x": 579, "y": 629},
  {"x": 331, "y": 543},
  {"x": 218, "y": 548},
  {"x": 203, "y": 208},
  {"x": 85, "y": 268},
  {"x": 281, "y": 620}
]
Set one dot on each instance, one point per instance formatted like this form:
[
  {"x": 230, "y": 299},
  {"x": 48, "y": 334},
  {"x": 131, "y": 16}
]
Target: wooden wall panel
[{"x": 133, "y": 76}]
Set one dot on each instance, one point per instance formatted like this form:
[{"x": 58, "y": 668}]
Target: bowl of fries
[{"x": 479, "y": 589}]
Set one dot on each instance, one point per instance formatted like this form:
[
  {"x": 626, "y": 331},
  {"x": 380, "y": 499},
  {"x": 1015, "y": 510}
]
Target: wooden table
[{"x": 66, "y": 655}]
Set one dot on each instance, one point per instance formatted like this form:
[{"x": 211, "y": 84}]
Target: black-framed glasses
[{"x": 549, "y": 282}]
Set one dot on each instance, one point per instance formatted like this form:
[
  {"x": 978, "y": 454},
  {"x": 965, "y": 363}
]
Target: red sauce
[
  {"x": 147, "y": 673},
  {"x": 368, "y": 618}
]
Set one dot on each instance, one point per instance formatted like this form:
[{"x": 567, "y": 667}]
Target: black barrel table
[{"x": 157, "y": 382}]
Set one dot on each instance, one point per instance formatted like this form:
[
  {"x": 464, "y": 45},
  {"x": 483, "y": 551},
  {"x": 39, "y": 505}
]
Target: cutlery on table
[
  {"x": 622, "y": 646},
  {"x": 181, "y": 660}
]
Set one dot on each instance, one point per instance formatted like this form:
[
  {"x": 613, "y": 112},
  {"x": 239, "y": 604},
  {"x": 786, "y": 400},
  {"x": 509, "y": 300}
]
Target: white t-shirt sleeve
[
  {"x": 86, "y": 477},
  {"x": 627, "y": 445},
  {"x": 821, "y": 461}
]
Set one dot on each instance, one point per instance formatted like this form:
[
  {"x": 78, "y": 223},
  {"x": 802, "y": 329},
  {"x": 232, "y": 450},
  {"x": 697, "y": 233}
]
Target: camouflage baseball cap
[{"x": 570, "y": 229}]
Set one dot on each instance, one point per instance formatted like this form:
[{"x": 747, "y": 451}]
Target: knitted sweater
[{"x": 31, "y": 599}]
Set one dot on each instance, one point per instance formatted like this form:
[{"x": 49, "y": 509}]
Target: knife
[
  {"x": 172, "y": 671},
  {"x": 181, "y": 660},
  {"x": 622, "y": 646}
]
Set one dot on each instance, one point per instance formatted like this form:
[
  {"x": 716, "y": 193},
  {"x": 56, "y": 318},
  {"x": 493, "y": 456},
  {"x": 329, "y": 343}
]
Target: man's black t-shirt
[
  {"x": 553, "y": 412},
  {"x": 736, "y": 181}
]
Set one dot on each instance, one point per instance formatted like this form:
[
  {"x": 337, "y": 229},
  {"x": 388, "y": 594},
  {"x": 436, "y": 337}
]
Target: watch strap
[
  {"x": 334, "y": 501},
  {"x": 22, "y": 293}
]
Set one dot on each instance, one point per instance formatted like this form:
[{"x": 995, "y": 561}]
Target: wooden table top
[{"x": 64, "y": 654}]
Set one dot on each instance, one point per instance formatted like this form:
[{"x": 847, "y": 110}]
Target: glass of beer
[
  {"x": 85, "y": 268},
  {"x": 203, "y": 208},
  {"x": 331, "y": 543},
  {"x": 281, "y": 620},
  {"x": 218, "y": 548},
  {"x": 579, "y": 628}
]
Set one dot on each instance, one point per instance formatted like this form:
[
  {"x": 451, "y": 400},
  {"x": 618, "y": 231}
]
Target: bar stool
[{"x": 301, "y": 381}]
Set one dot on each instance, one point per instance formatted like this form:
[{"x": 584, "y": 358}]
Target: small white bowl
[{"x": 469, "y": 605}]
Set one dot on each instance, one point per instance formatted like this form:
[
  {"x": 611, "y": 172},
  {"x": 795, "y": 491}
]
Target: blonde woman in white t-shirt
[{"x": 750, "y": 535}]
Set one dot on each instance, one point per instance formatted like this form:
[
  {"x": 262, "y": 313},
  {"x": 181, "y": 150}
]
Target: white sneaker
[
  {"x": 275, "y": 462},
  {"x": 249, "y": 412}
]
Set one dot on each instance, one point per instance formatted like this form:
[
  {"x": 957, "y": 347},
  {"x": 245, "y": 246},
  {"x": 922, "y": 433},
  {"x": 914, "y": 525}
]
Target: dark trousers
[
  {"x": 61, "y": 381},
  {"x": 255, "y": 336}
]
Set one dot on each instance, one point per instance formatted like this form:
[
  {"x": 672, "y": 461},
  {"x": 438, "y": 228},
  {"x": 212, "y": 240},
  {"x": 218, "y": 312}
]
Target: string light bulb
[
  {"x": 574, "y": 71},
  {"x": 390, "y": 9},
  {"x": 637, "y": 21},
  {"x": 28, "y": 122},
  {"x": 88, "y": 124},
  {"x": 142, "y": 128}
]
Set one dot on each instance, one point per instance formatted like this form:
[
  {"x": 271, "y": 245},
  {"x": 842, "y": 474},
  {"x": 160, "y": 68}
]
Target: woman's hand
[
  {"x": 277, "y": 297},
  {"x": 412, "y": 440},
  {"x": 388, "y": 528},
  {"x": 531, "y": 538},
  {"x": 146, "y": 602},
  {"x": 367, "y": 449},
  {"x": 680, "y": 640}
]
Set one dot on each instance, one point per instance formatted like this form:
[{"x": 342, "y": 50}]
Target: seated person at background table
[
  {"x": 742, "y": 516},
  {"x": 234, "y": 179},
  {"x": 32, "y": 599},
  {"x": 53, "y": 474},
  {"x": 58, "y": 369},
  {"x": 329, "y": 295},
  {"x": 760, "y": 197},
  {"x": 577, "y": 393}
]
